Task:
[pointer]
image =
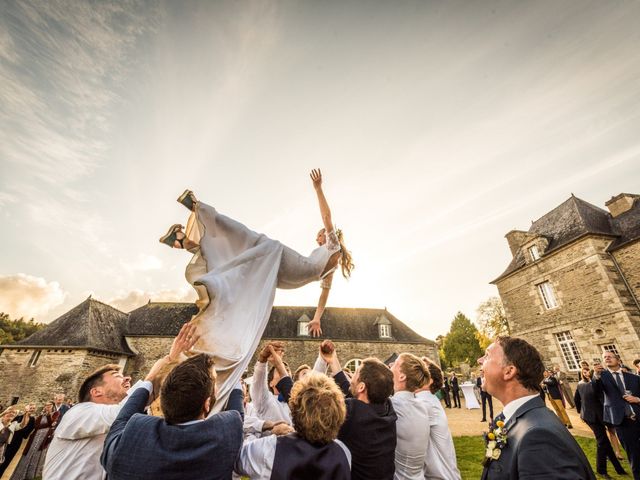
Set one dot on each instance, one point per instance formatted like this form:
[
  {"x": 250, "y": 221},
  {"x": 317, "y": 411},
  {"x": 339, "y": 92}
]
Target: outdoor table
[{"x": 470, "y": 400}]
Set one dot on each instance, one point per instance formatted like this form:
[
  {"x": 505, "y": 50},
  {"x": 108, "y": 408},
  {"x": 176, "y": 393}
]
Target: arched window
[{"x": 353, "y": 364}]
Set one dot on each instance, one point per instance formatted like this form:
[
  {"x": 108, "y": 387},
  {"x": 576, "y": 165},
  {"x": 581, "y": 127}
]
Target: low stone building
[
  {"x": 59, "y": 357},
  {"x": 573, "y": 284}
]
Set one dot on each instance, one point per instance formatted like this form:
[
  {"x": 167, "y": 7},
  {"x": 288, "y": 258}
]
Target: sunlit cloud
[{"x": 28, "y": 296}]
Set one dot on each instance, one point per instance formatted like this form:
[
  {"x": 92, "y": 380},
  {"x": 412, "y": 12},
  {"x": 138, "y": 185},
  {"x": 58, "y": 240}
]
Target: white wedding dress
[{"x": 235, "y": 272}]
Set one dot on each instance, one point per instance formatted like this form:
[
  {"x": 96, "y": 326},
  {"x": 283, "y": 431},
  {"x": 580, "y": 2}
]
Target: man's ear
[
  {"x": 509, "y": 372},
  {"x": 96, "y": 392},
  {"x": 361, "y": 387},
  {"x": 207, "y": 406}
]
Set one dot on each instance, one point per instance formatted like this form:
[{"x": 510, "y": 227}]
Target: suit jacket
[
  {"x": 538, "y": 446},
  {"x": 615, "y": 407},
  {"x": 588, "y": 403},
  {"x": 454, "y": 384},
  {"x": 140, "y": 446}
]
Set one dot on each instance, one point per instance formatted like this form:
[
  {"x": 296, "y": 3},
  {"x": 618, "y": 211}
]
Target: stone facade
[
  {"x": 593, "y": 289},
  {"x": 55, "y": 371}
]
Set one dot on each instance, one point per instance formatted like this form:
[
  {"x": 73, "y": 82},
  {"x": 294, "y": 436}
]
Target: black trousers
[
  {"x": 486, "y": 398},
  {"x": 456, "y": 398},
  {"x": 604, "y": 449},
  {"x": 447, "y": 398},
  {"x": 629, "y": 434}
]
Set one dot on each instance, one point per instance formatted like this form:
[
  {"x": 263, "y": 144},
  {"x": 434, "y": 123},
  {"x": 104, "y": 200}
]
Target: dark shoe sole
[
  {"x": 186, "y": 199},
  {"x": 170, "y": 237}
]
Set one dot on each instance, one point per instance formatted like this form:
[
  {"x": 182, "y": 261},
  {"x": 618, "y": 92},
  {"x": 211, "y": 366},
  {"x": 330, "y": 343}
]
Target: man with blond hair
[{"x": 313, "y": 451}]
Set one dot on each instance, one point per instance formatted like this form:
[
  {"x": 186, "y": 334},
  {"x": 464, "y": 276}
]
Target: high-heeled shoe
[
  {"x": 171, "y": 236},
  {"x": 188, "y": 199}
]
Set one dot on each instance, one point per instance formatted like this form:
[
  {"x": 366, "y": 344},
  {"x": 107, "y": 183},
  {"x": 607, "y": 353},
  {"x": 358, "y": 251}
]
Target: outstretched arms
[
  {"x": 325, "y": 211},
  {"x": 313, "y": 327}
]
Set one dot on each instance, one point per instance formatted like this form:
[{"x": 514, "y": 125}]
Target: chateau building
[
  {"x": 60, "y": 356},
  {"x": 573, "y": 285}
]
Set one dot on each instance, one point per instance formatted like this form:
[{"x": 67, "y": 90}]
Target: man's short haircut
[
  {"x": 636, "y": 362},
  {"x": 415, "y": 370},
  {"x": 317, "y": 408},
  {"x": 272, "y": 372},
  {"x": 95, "y": 380},
  {"x": 436, "y": 375},
  {"x": 299, "y": 370},
  {"x": 526, "y": 358},
  {"x": 186, "y": 388},
  {"x": 378, "y": 379}
]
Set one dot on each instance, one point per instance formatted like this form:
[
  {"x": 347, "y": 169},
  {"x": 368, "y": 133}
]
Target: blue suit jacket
[
  {"x": 140, "y": 446},
  {"x": 538, "y": 446},
  {"x": 614, "y": 405}
]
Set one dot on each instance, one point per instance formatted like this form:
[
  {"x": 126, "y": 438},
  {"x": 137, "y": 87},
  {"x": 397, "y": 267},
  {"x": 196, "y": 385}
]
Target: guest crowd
[{"x": 324, "y": 422}]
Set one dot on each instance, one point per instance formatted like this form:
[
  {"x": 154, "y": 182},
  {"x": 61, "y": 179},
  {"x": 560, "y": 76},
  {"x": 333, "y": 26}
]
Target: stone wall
[
  {"x": 628, "y": 259},
  {"x": 594, "y": 305},
  {"x": 56, "y": 371},
  {"x": 149, "y": 349}
]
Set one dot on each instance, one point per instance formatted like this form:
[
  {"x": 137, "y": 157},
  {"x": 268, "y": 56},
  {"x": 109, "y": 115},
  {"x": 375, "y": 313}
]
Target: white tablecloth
[{"x": 470, "y": 399}]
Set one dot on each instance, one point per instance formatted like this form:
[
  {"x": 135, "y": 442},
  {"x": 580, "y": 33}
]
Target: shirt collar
[{"x": 511, "y": 407}]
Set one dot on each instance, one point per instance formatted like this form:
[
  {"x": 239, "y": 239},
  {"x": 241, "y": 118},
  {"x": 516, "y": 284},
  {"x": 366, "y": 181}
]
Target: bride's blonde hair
[{"x": 346, "y": 260}]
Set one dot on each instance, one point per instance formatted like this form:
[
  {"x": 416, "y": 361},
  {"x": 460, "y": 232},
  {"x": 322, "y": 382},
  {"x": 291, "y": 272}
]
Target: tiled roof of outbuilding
[
  {"x": 359, "y": 324},
  {"x": 92, "y": 324},
  {"x": 576, "y": 218}
]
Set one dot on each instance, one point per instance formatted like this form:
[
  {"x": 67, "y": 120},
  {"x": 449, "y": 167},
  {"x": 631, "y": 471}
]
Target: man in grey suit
[
  {"x": 537, "y": 445},
  {"x": 185, "y": 444}
]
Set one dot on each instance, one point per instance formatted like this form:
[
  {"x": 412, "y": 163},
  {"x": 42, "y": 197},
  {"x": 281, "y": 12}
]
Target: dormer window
[
  {"x": 384, "y": 327},
  {"x": 534, "y": 252},
  {"x": 384, "y": 331},
  {"x": 303, "y": 323}
]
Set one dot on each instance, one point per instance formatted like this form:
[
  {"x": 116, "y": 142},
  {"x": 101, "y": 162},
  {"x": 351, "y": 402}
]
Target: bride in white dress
[{"x": 235, "y": 272}]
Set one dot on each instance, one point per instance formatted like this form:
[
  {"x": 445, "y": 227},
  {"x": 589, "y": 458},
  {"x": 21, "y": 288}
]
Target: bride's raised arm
[{"x": 325, "y": 211}]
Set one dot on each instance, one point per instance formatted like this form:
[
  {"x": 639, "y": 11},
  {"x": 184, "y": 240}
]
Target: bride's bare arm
[
  {"x": 325, "y": 211},
  {"x": 314, "y": 325}
]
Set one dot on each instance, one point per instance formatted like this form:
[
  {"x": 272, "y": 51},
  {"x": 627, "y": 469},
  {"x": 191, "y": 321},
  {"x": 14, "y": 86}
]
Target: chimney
[
  {"x": 516, "y": 239},
  {"x": 621, "y": 203}
]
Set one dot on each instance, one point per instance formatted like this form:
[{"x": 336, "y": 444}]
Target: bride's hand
[
  {"x": 316, "y": 178},
  {"x": 313, "y": 327}
]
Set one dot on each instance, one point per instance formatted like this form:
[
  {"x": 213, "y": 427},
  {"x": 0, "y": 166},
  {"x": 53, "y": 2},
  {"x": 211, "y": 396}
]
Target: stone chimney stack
[
  {"x": 621, "y": 203},
  {"x": 516, "y": 239}
]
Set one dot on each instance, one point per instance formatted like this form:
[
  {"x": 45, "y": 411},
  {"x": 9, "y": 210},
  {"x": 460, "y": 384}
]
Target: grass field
[{"x": 470, "y": 451}]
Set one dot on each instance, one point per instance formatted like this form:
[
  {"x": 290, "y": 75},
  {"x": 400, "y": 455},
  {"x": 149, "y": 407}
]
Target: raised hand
[
  {"x": 316, "y": 178},
  {"x": 327, "y": 351},
  {"x": 265, "y": 353},
  {"x": 313, "y": 327},
  {"x": 184, "y": 341}
]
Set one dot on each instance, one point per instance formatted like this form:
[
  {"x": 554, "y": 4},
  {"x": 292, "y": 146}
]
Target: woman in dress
[
  {"x": 34, "y": 453},
  {"x": 235, "y": 272}
]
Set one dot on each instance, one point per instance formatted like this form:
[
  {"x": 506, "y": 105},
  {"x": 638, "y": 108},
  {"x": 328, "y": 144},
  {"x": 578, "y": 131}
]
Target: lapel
[{"x": 530, "y": 405}]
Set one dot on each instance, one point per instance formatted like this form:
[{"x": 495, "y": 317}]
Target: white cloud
[
  {"x": 136, "y": 298},
  {"x": 143, "y": 263},
  {"x": 29, "y": 297}
]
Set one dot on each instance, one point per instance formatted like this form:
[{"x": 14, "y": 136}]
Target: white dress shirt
[
  {"x": 256, "y": 457},
  {"x": 511, "y": 407},
  {"x": 412, "y": 429},
  {"x": 440, "y": 460},
  {"x": 265, "y": 403},
  {"x": 74, "y": 452}
]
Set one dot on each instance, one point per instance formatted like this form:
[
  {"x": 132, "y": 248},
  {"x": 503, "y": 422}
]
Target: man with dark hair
[
  {"x": 485, "y": 397},
  {"x": 369, "y": 430},
  {"x": 79, "y": 438},
  {"x": 636, "y": 363},
  {"x": 537, "y": 444},
  {"x": 551, "y": 386},
  {"x": 621, "y": 405},
  {"x": 455, "y": 390},
  {"x": 445, "y": 391},
  {"x": 185, "y": 444}
]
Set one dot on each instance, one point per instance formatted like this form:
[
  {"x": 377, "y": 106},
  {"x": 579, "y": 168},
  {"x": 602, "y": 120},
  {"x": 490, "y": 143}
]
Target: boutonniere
[{"x": 495, "y": 440}]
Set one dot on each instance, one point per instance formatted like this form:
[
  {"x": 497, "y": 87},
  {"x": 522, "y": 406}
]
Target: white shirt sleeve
[
  {"x": 260, "y": 394},
  {"x": 256, "y": 458},
  {"x": 320, "y": 366}
]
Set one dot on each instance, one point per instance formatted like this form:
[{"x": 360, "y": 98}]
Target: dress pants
[
  {"x": 456, "y": 398},
  {"x": 486, "y": 398},
  {"x": 447, "y": 398},
  {"x": 604, "y": 449},
  {"x": 629, "y": 434},
  {"x": 560, "y": 411}
]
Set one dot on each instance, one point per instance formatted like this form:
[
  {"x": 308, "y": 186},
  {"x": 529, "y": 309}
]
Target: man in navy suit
[
  {"x": 538, "y": 445},
  {"x": 621, "y": 405},
  {"x": 185, "y": 444}
]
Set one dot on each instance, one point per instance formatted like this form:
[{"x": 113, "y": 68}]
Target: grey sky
[{"x": 439, "y": 127}]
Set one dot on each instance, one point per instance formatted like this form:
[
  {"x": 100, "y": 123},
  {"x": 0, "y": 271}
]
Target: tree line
[
  {"x": 465, "y": 342},
  {"x": 14, "y": 330}
]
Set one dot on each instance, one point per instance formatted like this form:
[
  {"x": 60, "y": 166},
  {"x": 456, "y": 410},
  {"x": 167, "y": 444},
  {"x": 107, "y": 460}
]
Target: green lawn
[{"x": 470, "y": 451}]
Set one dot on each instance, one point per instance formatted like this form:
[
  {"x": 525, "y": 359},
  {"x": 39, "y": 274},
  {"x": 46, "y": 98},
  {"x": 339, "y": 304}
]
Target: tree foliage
[
  {"x": 12, "y": 331},
  {"x": 461, "y": 344},
  {"x": 492, "y": 319}
]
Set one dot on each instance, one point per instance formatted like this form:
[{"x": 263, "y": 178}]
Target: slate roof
[
  {"x": 359, "y": 324},
  {"x": 91, "y": 324},
  {"x": 575, "y": 218}
]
